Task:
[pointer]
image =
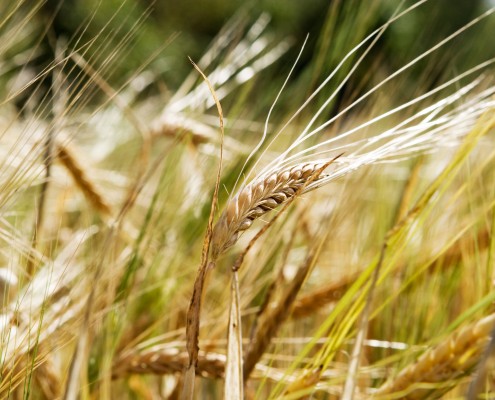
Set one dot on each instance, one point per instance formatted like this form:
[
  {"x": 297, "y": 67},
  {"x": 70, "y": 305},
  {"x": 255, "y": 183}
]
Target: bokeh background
[{"x": 183, "y": 29}]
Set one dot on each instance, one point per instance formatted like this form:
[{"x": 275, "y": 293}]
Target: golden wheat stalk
[
  {"x": 453, "y": 358},
  {"x": 260, "y": 196}
]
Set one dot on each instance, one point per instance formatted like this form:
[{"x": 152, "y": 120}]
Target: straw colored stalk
[
  {"x": 259, "y": 197},
  {"x": 234, "y": 386},
  {"x": 437, "y": 370}
]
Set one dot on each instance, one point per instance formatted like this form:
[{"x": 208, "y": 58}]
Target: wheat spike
[
  {"x": 453, "y": 358},
  {"x": 259, "y": 197},
  {"x": 187, "y": 129},
  {"x": 168, "y": 361},
  {"x": 70, "y": 162},
  {"x": 315, "y": 300}
]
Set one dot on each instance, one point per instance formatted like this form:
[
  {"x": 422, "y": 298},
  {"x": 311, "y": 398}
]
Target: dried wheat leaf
[
  {"x": 193, "y": 313},
  {"x": 351, "y": 378},
  {"x": 188, "y": 384},
  {"x": 233, "y": 371}
]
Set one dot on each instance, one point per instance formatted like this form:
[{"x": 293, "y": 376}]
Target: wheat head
[
  {"x": 259, "y": 197},
  {"x": 69, "y": 160},
  {"x": 453, "y": 358}
]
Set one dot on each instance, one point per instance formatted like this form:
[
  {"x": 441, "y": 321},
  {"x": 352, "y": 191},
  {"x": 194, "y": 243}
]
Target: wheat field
[{"x": 277, "y": 217}]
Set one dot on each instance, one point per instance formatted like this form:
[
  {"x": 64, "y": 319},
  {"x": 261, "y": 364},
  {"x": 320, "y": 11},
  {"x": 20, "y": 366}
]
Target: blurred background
[{"x": 161, "y": 35}]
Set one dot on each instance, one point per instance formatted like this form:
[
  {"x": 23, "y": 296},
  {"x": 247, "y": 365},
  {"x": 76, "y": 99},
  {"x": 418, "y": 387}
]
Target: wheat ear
[
  {"x": 259, "y": 197},
  {"x": 453, "y": 358},
  {"x": 168, "y": 361},
  {"x": 321, "y": 297},
  {"x": 165, "y": 361},
  {"x": 70, "y": 162}
]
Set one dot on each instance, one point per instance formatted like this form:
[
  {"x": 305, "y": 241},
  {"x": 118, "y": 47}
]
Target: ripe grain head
[{"x": 262, "y": 195}]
